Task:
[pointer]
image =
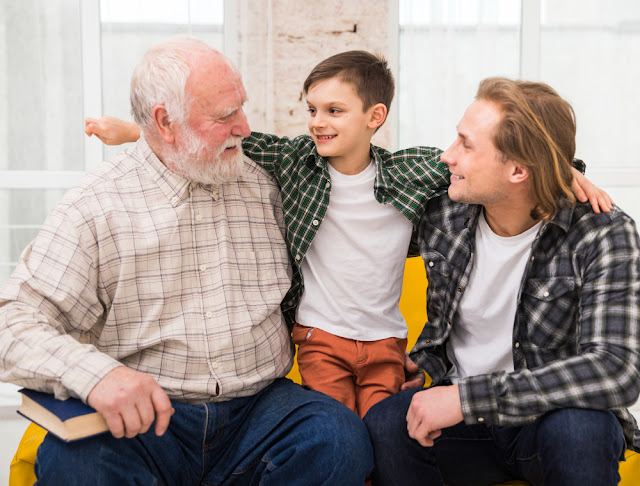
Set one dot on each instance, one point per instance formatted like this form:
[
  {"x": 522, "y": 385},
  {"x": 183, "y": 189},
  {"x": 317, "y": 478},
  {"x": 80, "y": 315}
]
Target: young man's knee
[
  {"x": 390, "y": 414},
  {"x": 581, "y": 431}
]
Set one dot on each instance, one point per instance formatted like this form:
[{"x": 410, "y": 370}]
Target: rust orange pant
[{"x": 356, "y": 373}]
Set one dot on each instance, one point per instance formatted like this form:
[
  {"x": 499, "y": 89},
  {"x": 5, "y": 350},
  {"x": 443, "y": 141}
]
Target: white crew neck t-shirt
[
  {"x": 354, "y": 267},
  {"x": 481, "y": 338}
]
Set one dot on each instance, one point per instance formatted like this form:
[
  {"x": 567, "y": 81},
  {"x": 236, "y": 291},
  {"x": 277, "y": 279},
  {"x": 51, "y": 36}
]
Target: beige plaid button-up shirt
[{"x": 138, "y": 266}]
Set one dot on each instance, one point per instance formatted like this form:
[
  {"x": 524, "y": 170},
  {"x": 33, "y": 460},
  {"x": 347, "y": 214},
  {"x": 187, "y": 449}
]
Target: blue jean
[
  {"x": 283, "y": 435},
  {"x": 565, "y": 447}
]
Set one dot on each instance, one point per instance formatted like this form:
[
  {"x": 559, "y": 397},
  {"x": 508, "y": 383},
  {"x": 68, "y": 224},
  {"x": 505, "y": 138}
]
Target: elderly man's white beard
[{"x": 198, "y": 164}]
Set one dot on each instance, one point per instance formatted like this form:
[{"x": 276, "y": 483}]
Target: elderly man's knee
[{"x": 96, "y": 460}]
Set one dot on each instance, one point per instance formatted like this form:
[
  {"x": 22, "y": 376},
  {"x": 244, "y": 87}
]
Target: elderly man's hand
[
  {"x": 129, "y": 401},
  {"x": 414, "y": 377},
  {"x": 111, "y": 130},
  {"x": 433, "y": 410}
]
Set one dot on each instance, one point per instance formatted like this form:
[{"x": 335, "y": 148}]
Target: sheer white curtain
[
  {"x": 446, "y": 47},
  {"x": 590, "y": 53}
]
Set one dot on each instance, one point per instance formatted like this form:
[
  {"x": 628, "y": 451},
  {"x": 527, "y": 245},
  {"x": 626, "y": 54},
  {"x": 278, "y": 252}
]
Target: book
[{"x": 67, "y": 419}]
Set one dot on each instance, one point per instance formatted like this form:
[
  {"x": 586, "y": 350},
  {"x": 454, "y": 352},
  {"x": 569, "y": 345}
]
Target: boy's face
[{"x": 338, "y": 123}]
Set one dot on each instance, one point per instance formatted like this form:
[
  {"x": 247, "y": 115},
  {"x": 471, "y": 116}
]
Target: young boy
[{"x": 350, "y": 209}]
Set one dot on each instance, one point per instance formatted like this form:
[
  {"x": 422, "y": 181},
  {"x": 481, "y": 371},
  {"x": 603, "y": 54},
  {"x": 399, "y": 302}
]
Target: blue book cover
[{"x": 69, "y": 419}]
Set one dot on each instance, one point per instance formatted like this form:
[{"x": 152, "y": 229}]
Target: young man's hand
[
  {"x": 111, "y": 130},
  {"x": 585, "y": 190},
  {"x": 433, "y": 410},
  {"x": 414, "y": 377},
  {"x": 130, "y": 401}
]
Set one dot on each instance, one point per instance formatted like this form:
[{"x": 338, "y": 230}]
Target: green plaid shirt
[{"x": 407, "y": 179}]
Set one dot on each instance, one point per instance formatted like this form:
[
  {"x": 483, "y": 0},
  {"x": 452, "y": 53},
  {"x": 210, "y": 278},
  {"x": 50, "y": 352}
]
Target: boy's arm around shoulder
[
  {"x": 419, "y": 167},
  {"x": 277, "y": 155}
]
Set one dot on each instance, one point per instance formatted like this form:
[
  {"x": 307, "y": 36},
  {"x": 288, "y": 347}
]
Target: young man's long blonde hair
[{"x": 537, "y": 130}]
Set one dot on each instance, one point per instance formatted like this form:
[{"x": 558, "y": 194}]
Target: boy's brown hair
[
  {"x": 537, "y": 130},
  {"x": 368, "y": 72}
]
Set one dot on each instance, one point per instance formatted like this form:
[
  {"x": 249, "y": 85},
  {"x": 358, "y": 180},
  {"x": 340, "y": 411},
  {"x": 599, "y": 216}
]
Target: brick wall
[{"x": 280, "y": 41}]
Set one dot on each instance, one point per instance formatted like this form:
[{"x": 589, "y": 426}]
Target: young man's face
[
  {"x": 209, "y": 142},
  {"x": 337, "y": 121},
  {"x": 478, "y": 175}
]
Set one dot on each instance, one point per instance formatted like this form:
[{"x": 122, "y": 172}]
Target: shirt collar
[
  {"x": 563, "y": 216},
  {"x": 562, "y": 219},
  {"x": 173, "y": 186},
  {"x": 382, "y": 180}
]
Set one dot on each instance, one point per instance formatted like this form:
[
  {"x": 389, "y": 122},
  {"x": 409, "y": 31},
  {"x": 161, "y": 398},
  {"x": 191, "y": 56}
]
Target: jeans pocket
[{"x": 301, "y": 335}]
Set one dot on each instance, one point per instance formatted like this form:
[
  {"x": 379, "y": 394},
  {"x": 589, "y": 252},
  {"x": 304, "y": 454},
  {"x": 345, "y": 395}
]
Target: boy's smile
[{"x": 339, "y": 126}]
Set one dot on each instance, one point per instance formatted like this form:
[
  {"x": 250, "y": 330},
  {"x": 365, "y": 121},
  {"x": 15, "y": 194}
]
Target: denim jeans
[
  {"x": 565, "y": 447},
  {"x": 283, "y": 435}
]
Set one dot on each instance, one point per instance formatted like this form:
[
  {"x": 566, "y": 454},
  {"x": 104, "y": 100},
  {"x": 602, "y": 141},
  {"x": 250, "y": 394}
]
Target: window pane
[
  {"x": 130, "y": 28},
  {"x": 589, "y": 53},
  {"x": 41, "y": 85},
  {"x": 22, "y": 212},
  {"x": 446, "y": 48}
]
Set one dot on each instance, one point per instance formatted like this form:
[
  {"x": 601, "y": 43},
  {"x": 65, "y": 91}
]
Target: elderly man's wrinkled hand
[{"x": 130, "y": 401}]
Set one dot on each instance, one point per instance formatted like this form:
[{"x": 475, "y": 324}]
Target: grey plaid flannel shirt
[{"x": 576, "y": 334}]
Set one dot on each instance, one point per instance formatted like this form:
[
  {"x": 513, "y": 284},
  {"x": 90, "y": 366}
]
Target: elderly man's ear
[{"x": 163, "y": 125}]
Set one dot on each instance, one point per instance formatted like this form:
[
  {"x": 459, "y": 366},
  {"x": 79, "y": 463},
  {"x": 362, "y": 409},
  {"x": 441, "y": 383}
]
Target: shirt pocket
[
  {"x": 439, "y": 275},
  {"x": 550, "y": 309}
]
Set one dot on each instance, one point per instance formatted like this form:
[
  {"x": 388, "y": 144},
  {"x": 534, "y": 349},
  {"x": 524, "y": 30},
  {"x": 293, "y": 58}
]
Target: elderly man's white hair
[{"x": 160, "y": 78}]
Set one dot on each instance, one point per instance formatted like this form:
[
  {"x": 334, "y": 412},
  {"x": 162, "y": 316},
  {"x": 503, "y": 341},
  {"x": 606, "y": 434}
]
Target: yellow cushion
[
  {"x": 22, "y": 464},
  {"x": 413, "y": 305}
]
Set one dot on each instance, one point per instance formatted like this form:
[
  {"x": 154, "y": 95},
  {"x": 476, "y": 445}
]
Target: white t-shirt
[
  {"x": 354, "y": 267},
  {"x": 482, "y": 335}
]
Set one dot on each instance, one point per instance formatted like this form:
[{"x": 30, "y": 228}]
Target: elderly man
[
  {"x": 152, "y": 293},
  {"x": 533, "y": 339}
]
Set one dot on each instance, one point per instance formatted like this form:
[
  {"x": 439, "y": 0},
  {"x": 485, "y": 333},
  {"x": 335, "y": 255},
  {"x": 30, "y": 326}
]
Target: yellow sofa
[{"x": 413, "y": 306}]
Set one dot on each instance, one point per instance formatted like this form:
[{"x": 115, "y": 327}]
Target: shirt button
[
  {"x": 209, "y": 314},
  {"x": 546, "y": 294},
  {"x": 174, "y": 200},
  {"x": 480, "y": 419},
  {"x": 517, "y": 345},
  {"x": 533, "y": 258},
  {"x": 431, "y": 264},
  {"x": 214, "y": 365},
  {"x": 298, "y": 257},
  {"x": 327, "y": 185},
  {"x": 459, "y": 289},
  {"x": 203, "y": 268},
  {"x": 315, "y": 222},
  {"x": 198, "y": 218}
]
